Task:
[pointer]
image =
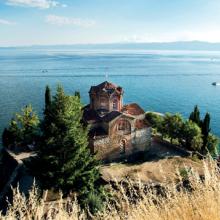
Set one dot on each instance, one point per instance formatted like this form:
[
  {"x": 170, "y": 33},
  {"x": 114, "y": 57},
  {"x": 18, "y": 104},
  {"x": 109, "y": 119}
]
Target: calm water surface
[{"x": 163, "y": 81}]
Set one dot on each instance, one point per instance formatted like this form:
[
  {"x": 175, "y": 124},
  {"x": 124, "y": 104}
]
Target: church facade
[{"x": 115, "y": 130}]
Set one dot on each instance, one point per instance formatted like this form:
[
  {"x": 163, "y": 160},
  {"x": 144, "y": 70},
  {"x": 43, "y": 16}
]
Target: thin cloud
[
  {"x": 42, "y": 4},
  {"x": 6, "y": 22},
  {"x": 66, "y": 21}
]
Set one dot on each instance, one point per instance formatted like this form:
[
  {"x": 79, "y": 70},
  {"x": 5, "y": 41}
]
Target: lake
[{"x": 162, "y": 81}]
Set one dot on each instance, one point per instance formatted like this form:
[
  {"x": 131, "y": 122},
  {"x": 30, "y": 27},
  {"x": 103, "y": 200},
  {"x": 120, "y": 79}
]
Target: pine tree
[
  {"x": 64, "y": 160},
  {"x": 23, "y": 130},
  {"x": 195, "y": 116}
]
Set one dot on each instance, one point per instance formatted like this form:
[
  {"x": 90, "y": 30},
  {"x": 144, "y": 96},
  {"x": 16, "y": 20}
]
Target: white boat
[{"x": 216, "y": 83}]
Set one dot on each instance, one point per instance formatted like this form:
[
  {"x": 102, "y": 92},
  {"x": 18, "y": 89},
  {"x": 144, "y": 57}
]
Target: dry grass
[
  {"x": 200, "y": 200},
  {"x": 151, "y": 171}
]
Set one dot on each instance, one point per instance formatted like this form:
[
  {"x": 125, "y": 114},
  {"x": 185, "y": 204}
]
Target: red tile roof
[
  {"x": 106, "y": 86},
  {"x": 133, "y": 109}
]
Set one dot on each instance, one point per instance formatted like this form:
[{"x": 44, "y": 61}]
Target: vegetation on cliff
[
  {"x": 193, "y": 134},
  {"x": 63, "y": 160}
]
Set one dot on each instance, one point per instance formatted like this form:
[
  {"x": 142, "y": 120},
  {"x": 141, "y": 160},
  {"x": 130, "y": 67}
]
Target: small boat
[{"x": 216, "y": 83}]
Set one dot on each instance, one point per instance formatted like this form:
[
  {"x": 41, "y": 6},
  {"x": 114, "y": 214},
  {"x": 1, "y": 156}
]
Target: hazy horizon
[
  {"x": 58, "y": 22},
  {"x": 176, "y": 45}
]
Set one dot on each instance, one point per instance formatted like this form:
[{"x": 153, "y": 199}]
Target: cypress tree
[
  {"x": 47, "y": 98},
  {"x": 205, "y": 130},
  {"x": 47, "y": 111},
  {"x": 64, "y": 161},
  {"x": 195, "y": 116}
]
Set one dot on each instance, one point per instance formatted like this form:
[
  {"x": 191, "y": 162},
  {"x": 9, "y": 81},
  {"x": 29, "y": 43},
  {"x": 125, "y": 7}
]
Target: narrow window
[
  {"x": 103, "y": 103},
  {"x": 115, "y": 104}
]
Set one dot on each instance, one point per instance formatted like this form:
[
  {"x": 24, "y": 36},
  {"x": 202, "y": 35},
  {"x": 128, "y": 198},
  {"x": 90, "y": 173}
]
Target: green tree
[
  {"x": 156, "y": 121},
  {"x": 205, "y": 131},
  {"x": 191, "y": 136},
  {"x": 64, "y": 161},
  {"x": 195, "y": 116},
  {"x": 47, "y": 98},
  {"x": 23, "y": 129},
  {"x": 212, "y": 145},
  {"x": 47, "y": 111},
  {"x": 173, "y": 125}
]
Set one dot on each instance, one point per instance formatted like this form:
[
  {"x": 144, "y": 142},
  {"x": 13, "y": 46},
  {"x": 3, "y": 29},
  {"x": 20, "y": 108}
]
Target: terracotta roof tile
[
  {"x": 106, "y": 86},
  {"x": 133, "y": 109}
]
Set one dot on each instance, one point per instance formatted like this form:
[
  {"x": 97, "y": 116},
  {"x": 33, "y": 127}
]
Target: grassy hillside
[{"x": 192, "y": 197}]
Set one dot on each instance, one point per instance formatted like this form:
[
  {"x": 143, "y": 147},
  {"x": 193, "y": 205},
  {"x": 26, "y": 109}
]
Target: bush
[{"x": 95, "y": 202}]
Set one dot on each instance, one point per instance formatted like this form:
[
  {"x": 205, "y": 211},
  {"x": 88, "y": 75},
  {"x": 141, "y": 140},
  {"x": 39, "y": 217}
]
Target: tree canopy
[
  {"x": 193, "y": 134},
  {"x": 23, "y": 130},
  {"x": 64, "y": 161}
]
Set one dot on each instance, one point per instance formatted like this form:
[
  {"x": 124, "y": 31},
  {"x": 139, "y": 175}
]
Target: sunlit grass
[{"x": 192, "y": 197}]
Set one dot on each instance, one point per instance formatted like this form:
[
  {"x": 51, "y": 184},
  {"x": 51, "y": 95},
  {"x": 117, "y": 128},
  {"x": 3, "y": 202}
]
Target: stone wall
[
  {"x": 109, "y": 147},
  {"x": 141, "y": 140},
  {"x": 104, "y": 101}
]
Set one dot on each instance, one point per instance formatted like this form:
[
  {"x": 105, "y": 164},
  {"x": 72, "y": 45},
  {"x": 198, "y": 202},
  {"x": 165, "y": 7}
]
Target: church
[{"x": 116, "y": 130}]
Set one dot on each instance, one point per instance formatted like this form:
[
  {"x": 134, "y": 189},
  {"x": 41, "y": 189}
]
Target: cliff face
[
  {"x": 13, "y": 172},
  {"x": 7, "y": 166}
]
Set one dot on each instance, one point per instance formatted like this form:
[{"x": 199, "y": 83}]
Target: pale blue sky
[{"x": 28, "y": 22}]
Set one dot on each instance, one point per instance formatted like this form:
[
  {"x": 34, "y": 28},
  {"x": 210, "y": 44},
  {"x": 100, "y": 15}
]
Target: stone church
[{"x": 115, "y": 130}]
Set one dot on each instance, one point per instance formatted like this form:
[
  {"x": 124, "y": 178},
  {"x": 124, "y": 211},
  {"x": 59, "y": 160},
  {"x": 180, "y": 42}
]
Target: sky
[{"x": 53, "y": 22}]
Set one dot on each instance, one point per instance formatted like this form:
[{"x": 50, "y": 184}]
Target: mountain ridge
[{"x": 176, "y": 45}]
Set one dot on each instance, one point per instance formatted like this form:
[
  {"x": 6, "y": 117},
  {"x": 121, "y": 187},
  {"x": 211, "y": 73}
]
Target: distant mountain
[{"x": 180, "y": 45}]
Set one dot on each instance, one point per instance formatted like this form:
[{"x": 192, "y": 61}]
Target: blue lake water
[{"x": 163, "y": 81}]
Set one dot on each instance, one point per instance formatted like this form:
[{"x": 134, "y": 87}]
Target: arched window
[
  {"x": 103, "y": 103},
  {"x": 124, "y": 126}
]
